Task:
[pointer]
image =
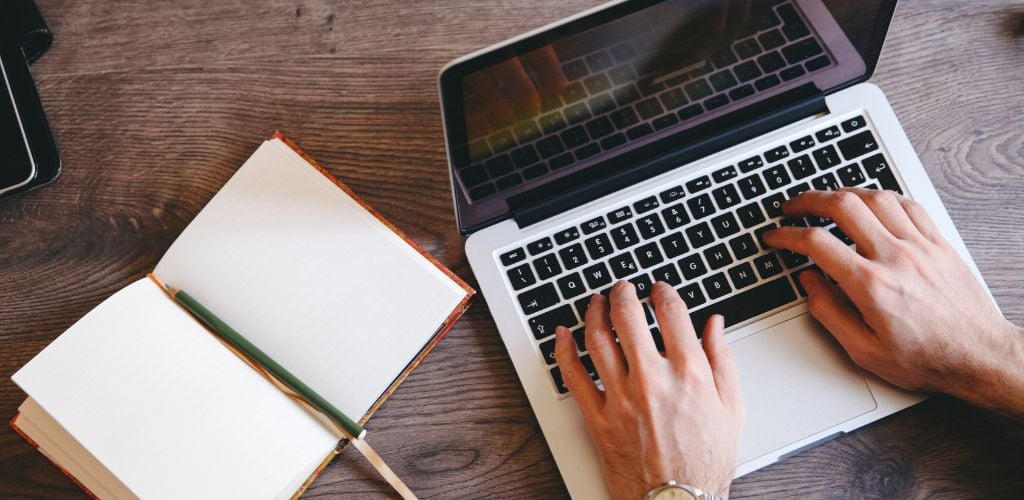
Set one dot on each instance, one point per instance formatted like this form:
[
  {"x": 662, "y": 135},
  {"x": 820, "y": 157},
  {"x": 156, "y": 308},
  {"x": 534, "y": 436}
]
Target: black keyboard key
[
  {"x": 675, "y": 216},
  {"x": 692, "y": 266},
  {"x": 599, "y": 246},
  {"x": 648, "y": 255},
  {"x": 722, "y": 80},
  {"x": 574, "y": 92},
  {"x": 547, "y": 351},
  {"x": 699, "y": 235},
  {"x": 770, "y": 63},
  {"x": 597, "y": 83},
  {"x": 690, "y": 111},
  {"x": 588, "y": 365},
  {"x": 749, "y": 304},
  {"x": 597, "y": 276},
  {"x": 508, "y": 181},
  {"x": 801, "y": 51},
  {"x": 593, "y": 225},
  {"x": 743, "y": 92},
  {"x": 612, "y": 142},
  {"x": 747, "y": 48},
  {"x": 725, "y": 225},
  {"x": 759, "y": 234},
  {"x": 649, "y": 108},
  {"x": 751, "y": 186},
  {"x": 767, "y": 82},
  {"x": 838, "y": 233},
  {"x": 768, "y": 265},
  {"x": 724, "y": 174},
  {"x": 693, "y": 297},
  {"x": 665, "y": 121},
  {"x": 878, "y": 168},
  {"x": 620, "y": 215},
  {"x": 701, "y": 206},
  {"x": 650, "y": 226},
  {"x": 801, "y": 167},
  {"x": 556, "y": 375},
  {"x": 524, "y": 156},
  {"x": 717, "y": 286},
  {"x": 550, "y": 146},
  {"x": 723, "y": 58},
  {"x": 521, "y": 277},
  {"x": 826, "y": 157},
  {"x": 793, "y": 259},
  {"x": 716, "y": 102},
  {"x": 718, "y": 256},
  {"x": 825, "y": 182},
  {"x": 776, "y": 154},
  {"x": 827, "y": 134},
  {"x": 624, "y": 236},
  {"x": 646, "y": 205},
  {"x": 818, "y": 221},
  {"x": 625, "y": 95},
  {"x": 574, "y": 137},
  {"x": 853, "y": 124},
  {"x": 771, "y": 40},
  {"x": 792, "y": 24},
  {"x": 599, "y": 61},
  {"x": 580, "y": 334},
  {"x": 574, "y": 70},
  {"x": 538, "y": 299},
  {"x": 773, "y": 205},
  {"x": 600, "y": 127},
  {"x": 567, "y": 235},
  {"x": 792, "y": 222},
  {"x": 792, "y": 73},
  {"x": 674, "y": 245},
  {"x": 581, "y": 311},
  {"x": 673, "y": 98},
  {"x": 539, "y": 246},
  {"x": 639, "y": 131},
  {"x": 672, "y": 194},
  {"x": 817, "y": 63},
  {"x": 623, "y": 265},
  {"x": 535, "y": 171},
  {"x": 667, "y": 274},
  {"x": 544, "y": 324},
  {"x": 743, "y": 246},
  {"x": 571, "y": 286},
  {"x": 747, "y": 71},
  {"x": 513, "y": 256},
  {"x": 851, "y": 175},
  {"x": 547, "y": 266},
  {"x": 474, "y": 175},
  {"x": 572, "y": 256},
  {"x": 776, "y": 177},
  {"x": 726, "y": 196},
  {"x": 796, "y": 190},
  {"x": 499, "y": 166},
  {"x": 750, "y": 215},
  {"x": 699, "y": 184},
  {"x": 858, "y": 145},
  {"x": 624, "y": 118},
  {"x": 802, "y": 144},
  {"x": 698, "y": 90},
  {"x": 643, "y": 286},
  {"x": 602, "y": 104},
  {"x": 560, "y": 161},
  {"x": 751, "y": 164},
  {"x": 587, "y": 151},
  {"x": 742, "y": 275},
  {"x": 622, "y": 74}
]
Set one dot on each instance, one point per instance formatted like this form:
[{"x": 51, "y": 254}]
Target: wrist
[{"x": 993, "y": 378}]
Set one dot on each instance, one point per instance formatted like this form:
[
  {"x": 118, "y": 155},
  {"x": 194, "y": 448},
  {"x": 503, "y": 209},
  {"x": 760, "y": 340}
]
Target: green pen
[{"x": 236, "y": 339}]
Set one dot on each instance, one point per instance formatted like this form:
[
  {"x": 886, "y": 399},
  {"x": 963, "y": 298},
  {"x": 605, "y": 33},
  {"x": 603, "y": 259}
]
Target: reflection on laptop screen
[{"x": 578, "y": 97}]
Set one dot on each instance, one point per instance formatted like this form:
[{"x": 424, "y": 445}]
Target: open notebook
[{"x": 138, "y": 399}]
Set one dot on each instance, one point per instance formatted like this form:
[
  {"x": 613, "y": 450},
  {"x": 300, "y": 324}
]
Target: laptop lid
[{"x": 570, "y": 112}]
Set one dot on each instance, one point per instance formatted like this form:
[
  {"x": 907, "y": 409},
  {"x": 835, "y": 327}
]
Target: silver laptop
[{"x": 655, "y": 141}]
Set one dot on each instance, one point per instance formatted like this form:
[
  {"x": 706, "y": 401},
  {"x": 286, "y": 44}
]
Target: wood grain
[{"x": 155, "y": 104}]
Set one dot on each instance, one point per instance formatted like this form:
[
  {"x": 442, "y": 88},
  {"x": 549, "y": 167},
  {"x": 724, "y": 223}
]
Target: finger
[
  {"x": 831, "y": 254},
  {"x": 723, "y": 365},
  {"x": 828, "y": 306},
  {"x": 887, "y": 207},
  {"x": 681, "y": 342},
  {"x": 546, "y": 70},
  {"x": 600, "y": 342},
  {"x": 631, "y": 326},
  {"x": 575, "y": 375},
  {"x": 922, "y": 220},
  {"x": 849, "y": 212}
]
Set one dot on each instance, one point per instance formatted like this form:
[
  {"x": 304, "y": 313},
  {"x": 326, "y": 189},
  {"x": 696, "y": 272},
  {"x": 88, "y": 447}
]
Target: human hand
[
  {"x": 661, "y": 417},
  {"x": 906, "y": 306}
]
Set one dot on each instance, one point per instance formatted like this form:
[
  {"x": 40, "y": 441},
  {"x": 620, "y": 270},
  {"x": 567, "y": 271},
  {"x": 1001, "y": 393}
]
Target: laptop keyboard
[
  {"x": 702, "y": 236},
  {"x": 605, "y": 104}
]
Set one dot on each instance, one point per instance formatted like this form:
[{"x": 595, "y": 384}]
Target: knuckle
[
  {"x": 670, "y": 306},
  {"x": 817, "y": 236},
  {"x": 845, "y": 201}
]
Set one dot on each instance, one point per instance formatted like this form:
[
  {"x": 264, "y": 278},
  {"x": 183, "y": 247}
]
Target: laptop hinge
[{"x": 618, "y": 173}]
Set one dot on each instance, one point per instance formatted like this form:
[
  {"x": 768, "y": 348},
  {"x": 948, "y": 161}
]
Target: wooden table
[{"x": 155, "y": 104}]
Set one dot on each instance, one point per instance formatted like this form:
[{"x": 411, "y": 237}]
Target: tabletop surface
[{"x": 155, "y": 104}]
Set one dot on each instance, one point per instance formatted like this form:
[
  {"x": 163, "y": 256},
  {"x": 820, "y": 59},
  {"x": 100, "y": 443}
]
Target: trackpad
[{"x": 797, "y": 381}]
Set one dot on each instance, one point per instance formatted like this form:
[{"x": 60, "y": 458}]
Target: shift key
[
  {"x": 741, "y": 307},
  {"x": 544, "y": 324}
]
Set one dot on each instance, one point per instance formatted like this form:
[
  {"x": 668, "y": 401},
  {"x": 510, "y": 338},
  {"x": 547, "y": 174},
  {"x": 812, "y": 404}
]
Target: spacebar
[{"x": 753, "y": 302}]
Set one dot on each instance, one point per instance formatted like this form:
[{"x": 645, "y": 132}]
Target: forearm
[{"x": 996, "y": 382}]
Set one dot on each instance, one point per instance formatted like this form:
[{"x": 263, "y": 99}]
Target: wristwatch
[{"x": 674, "y": 491}]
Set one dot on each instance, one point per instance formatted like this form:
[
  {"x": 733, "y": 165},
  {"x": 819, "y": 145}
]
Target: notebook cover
[{"x": 14, "y": 425}]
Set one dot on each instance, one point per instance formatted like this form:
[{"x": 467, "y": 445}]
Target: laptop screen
[{"x": 634, "y": 73}]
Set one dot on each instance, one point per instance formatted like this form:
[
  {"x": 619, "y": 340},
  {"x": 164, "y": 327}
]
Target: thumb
[{"x": 723, "y": 365}]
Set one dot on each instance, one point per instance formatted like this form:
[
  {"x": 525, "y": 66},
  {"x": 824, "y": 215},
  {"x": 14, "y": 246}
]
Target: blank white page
[
  {"x": 312, "y": 278},
  {"x": 168, "y": 409}
]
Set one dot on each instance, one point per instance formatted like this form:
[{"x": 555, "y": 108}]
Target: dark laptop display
[{"x": 614, "y": 89}]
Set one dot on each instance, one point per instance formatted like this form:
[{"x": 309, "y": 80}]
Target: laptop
[{"x": 655, "y": 140}]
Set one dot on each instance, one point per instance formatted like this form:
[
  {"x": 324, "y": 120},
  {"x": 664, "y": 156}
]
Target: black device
[{"x": 28, "y": 153}]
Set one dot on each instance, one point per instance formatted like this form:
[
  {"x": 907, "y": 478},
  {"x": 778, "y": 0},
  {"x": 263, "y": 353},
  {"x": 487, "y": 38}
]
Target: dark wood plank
[{"x": 154, "y": 105}]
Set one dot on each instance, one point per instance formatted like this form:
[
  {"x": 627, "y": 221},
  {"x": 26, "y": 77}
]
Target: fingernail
[{"x": 596, "y": 298}]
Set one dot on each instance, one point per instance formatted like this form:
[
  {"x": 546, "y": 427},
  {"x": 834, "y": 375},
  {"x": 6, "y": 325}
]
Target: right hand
[{"x": 906, "y": 306}]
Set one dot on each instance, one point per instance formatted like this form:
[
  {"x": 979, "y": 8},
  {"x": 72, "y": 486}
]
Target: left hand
[{"x": 672, "y": 416}]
